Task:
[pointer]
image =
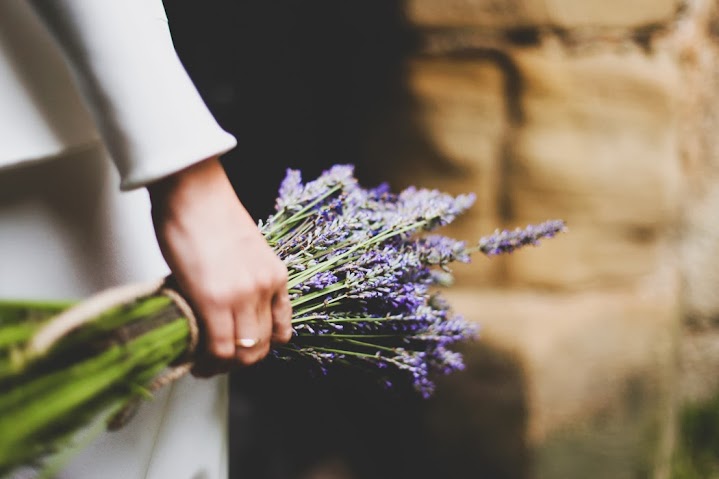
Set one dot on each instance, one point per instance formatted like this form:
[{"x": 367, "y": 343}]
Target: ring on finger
[{"x": 246, "y": 342}]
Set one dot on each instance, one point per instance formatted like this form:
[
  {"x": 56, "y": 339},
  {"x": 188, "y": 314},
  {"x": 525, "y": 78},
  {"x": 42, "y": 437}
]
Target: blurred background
[{"x": 600, "y": 350}]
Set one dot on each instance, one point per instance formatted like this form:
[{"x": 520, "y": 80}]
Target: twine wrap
[
  {"x": 184, "y": 364},
  {"x": 86, "y": 311}
]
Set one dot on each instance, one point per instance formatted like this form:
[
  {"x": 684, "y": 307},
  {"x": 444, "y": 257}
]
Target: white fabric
[
  {"x": 41, "y": 112},
  {"x": 66, "y": 230},
  {"x": 148, "y": 112}
]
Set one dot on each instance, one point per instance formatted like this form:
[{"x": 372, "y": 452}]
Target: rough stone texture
[
  {"x": 598, "y": 148},
  {"x": 700, "y": 257},
  {"x": 578, "y": 349},
  {"x": 697, "y": 45},
  {"x": 476, "y": 13},
  {"x": 565, "y": 13},
  {"x": 610, "y": 13},
  {"x": 600, "y": 130},
  {"x": 698, "y": 366}
]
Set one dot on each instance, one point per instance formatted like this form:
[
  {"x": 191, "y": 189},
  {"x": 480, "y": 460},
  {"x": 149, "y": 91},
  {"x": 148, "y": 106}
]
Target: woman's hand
[{"x": 223, "y": 266}]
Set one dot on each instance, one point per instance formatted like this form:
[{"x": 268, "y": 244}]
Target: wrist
[
  {"x": 192, "y": 176},
  {"x": 187, "y": 187},
  {"x": 196, "y": 195}
]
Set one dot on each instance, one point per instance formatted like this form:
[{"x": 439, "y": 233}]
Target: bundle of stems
[
  {"x": 363, "y": 277},
  {"x": 48, "y": 393}
]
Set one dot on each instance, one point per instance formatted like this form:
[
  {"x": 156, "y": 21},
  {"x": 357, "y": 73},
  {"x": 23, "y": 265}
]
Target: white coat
[{"x": 93, "y": 99}]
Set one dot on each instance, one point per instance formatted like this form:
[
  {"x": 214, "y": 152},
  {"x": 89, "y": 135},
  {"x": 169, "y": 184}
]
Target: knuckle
[
  {"x": 217, "y": 296},
  {"x": 284, "y": 335},
  {"x": 282, "y": 317},
  {"x": 282, "y": 314},
  {"x": 280, "y": 275},
  {"x": 230, "y": 293},
  {"x": 241, "y": 292},
  {"x": 222, "y": 350},
  {"x": 263, "y": 282}
]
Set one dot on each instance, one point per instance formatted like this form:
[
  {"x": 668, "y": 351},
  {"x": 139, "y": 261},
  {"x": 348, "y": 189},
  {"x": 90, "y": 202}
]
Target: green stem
[
  {"x": 307, "y": 318},
  {"x": 325, "y": 319},
  {"x": 368, "y": 345},
  {"x": 53, "y": 307},
  {"x": 348, "y": 353},
  {"x": 350, "y": 336},
  {"x": 317, "y": 294},
  {"x": 321, "y": 305},
  {"x": 298, "y": 215},
  {"x": 325, "y": 265},
  {"x": 55, "y": 399},
  {"x": 16, "y": 334}
]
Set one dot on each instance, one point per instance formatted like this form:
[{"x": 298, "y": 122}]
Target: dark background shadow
[
  {"x": 300, "y": 83},
  {"x": 308, "y": 84},
  {"x": 287, "y": 425}
]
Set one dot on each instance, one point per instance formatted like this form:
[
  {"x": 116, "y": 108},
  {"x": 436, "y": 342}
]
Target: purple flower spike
[
  {"x": 507, "y": 241},
  {"x": 360, "y": 280},
  {"x": 290, "y": 189}
]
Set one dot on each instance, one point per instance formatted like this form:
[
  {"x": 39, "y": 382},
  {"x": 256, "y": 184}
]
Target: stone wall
[
  {"x": 507, "y": 14},
  {"x": 603, "y": 114}
]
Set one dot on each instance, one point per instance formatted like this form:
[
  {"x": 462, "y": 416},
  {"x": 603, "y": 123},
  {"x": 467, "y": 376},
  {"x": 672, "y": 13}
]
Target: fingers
[
  {"x": 217, "y": 346},
  {"x": 240, "y": 323},
  {"x": 241, "y": 334},
  {"x": 253, "y": 328},
  {"x": 281, "y": 318}
]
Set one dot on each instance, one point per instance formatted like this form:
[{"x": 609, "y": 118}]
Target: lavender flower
[
  {"x": 440, "y": 250},
  {"x": 361, "y": 285},
  {"x": 507, "y": 241}
]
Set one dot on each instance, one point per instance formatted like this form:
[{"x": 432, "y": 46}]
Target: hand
[{"x": 233, "y": 280}]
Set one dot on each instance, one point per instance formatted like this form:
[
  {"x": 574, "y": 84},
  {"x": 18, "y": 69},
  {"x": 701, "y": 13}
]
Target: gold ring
[{"x": 247, "y": 342}]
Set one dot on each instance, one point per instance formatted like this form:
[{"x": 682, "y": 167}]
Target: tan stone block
[
  {"x": 461, "y": 103},
  {"x": 699, "y": 123},
  {"x": 483, "y": 13},
  {"x": 599, "y": 150},
  {"x": 502, "y": 14},
  {"x": 610, "y": 13},
  {"x": 699, "y": 360},
  {"x": 580, "y": 351},
  {"x": 601, "y": 130},
  {"x": 589, "y": 256},
  {"x": 699, "y": 253}
]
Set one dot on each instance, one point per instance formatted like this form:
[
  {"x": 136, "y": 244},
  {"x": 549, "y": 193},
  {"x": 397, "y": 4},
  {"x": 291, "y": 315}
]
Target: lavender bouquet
[{"x": 363, "y": 272}]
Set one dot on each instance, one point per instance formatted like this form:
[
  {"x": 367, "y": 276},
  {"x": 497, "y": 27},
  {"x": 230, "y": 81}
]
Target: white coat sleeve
[{"x": 147, "y": 109}]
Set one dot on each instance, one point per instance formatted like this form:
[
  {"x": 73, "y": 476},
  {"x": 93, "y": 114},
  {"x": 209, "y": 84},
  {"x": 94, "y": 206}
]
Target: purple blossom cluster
[
  {"x": 363, "y": 275},
  {"x": 507, "y": 241}
]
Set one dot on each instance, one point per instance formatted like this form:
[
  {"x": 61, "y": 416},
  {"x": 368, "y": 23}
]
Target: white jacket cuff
[{"x": 149, "y": 113}]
